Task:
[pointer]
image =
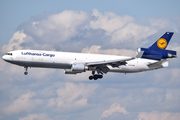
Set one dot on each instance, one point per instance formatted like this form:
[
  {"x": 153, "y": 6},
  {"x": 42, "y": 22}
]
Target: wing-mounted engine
[
  {"x": 76, "y": 68},
  {"x": 155, "y": 54}
]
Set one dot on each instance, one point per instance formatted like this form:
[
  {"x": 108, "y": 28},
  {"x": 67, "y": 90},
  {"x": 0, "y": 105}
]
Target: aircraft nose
[{"x": 4, "y": 57}]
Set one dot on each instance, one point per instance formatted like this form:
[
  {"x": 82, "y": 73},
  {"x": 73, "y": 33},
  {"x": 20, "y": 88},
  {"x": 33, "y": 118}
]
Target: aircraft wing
[
  {"x": 101, "y": 66},
  {"x": 110, "y": 62}
]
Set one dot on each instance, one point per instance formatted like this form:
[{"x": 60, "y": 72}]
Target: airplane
[{"x": 154, "y": 57}]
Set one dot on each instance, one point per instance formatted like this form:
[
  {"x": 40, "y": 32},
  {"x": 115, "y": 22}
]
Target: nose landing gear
[{"x": 26, "y": 69}]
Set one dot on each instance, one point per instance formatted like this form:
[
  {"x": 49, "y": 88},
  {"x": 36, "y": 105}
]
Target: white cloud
[
  {"x": 14, "y": 42},
  {"x": 113, "y": 109},
  {"x": 72, "y": 96},
  {"x": 36, "y": 116},
  {"x": 109, "y": 21},
  {"x": 159, "y": 23},
  {"x": 97, "y": 50},
  {"x": 23, "y": 103},
  {"x": 59, "y": 31},
  {"x": 154, "y": 115},
  {"x": 132, "y": 33},
  {"x": 34, "y": 24},
  {"x": 124, "y": 29},
  {"x": 61, "y": 26}
]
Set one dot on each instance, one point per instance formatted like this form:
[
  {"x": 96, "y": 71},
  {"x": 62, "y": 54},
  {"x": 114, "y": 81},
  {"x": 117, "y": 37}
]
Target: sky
[{"x": 115, "y": 27}]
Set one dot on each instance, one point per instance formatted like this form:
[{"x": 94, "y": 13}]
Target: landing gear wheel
[
  {"x": 91, "y": 77},
  {"x": 100, "y": 76},
  {"x": 96, "y": 77},
  {"x": 25, "y": 73},
  {"x": 26, "y": 69}
]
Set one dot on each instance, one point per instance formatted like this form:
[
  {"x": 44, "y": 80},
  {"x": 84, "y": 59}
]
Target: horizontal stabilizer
[{"x": 158, "y": 63}]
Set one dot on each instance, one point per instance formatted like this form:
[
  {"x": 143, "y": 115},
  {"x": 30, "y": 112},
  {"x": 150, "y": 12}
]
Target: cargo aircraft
[{"x": 154, "y": 57}]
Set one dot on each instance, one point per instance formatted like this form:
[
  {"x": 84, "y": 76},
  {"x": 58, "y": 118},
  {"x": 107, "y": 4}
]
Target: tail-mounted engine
[{"x": 156, "y": 54}]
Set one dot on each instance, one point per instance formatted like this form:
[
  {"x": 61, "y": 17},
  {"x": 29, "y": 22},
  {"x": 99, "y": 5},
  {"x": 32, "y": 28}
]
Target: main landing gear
[
  {"x": 26, "y": 69},
  {"x": 95, "y": 76}
]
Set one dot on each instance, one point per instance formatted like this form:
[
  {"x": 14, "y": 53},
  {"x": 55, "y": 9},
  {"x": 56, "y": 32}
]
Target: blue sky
[{"x": 103, "y": 27}]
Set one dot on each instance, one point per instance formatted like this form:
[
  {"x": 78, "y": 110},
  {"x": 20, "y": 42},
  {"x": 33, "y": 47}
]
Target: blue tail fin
[
  {"x": 157, "y": 50},
  {"x": 162, "y": 42}
]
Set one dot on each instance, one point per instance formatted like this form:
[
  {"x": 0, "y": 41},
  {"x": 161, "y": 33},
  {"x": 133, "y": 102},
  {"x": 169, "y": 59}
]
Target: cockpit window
[{"x": 8, "y": 53}]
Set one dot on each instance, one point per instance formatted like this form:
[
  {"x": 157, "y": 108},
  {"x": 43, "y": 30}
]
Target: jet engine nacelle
[
  {"x": 156, "y": 54},
  {"x": 78, "y": 67}
]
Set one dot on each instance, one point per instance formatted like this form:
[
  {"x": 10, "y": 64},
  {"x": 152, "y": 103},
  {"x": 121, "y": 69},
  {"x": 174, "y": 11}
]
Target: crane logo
[{"x": 162, "y": 43}]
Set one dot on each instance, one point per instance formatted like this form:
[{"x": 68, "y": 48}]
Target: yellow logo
[{"x": 162, "y": 43}]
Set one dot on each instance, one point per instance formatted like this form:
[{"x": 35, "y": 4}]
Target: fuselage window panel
[{"x": 9, "y": 54}]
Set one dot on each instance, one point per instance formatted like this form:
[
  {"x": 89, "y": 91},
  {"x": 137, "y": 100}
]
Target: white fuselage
[{"x": 64, "y": 60}]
